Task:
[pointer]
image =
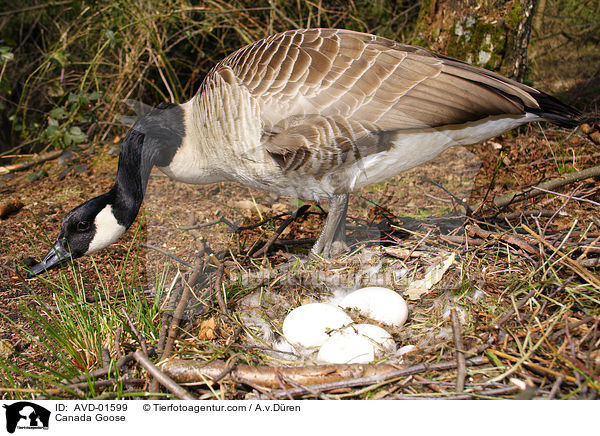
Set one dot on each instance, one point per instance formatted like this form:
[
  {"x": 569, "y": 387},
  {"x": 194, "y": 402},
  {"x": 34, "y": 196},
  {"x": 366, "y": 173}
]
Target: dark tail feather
[{"x": 555, "y": 111}]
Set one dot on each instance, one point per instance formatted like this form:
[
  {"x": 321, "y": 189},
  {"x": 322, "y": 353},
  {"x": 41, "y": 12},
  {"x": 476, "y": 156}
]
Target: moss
[
  {"x": 478, "y": 42},
  {"x": 515, "y": 15}
]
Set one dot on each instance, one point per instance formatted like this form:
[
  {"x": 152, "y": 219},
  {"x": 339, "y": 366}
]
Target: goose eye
[{"x": 83, "y": 226}]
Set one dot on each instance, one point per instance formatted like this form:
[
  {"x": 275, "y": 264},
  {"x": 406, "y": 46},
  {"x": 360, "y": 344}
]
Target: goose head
[
  {"x": 88, "y": 228},
  {"x": 100, "y": 221}
]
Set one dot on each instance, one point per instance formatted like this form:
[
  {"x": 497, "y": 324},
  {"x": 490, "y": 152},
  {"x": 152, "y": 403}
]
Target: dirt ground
[{"x": 409, "y": 212}]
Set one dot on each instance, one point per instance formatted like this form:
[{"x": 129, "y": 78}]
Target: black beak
[{"x": 55, "y": 257}]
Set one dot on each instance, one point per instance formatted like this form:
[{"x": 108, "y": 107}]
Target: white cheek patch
[{"x": 108, "y": 230}]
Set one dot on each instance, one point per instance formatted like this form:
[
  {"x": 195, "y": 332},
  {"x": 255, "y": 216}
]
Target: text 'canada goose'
[{"x": 313, "y": 114}]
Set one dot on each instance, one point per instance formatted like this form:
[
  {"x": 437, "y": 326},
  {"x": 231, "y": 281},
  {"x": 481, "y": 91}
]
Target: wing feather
[{"x": 329, "y": 96}]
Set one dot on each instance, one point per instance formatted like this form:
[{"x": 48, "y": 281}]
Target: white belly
[{"x": 411, "y": 149}]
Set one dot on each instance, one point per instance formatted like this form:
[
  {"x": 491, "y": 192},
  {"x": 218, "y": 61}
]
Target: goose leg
[{"x": 332, "y": 240}]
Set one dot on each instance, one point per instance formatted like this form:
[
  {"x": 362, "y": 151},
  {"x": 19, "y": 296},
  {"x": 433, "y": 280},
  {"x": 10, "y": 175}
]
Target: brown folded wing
[{"x": 328, "y": 97}]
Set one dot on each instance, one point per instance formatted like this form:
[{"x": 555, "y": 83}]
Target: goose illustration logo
[{"x": 26, "y": 415}]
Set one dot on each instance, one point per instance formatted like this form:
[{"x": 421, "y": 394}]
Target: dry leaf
[
  {"x": 433, "y": 275},
  {"x": 208, "y": 329}
]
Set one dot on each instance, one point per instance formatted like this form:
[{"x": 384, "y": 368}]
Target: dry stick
[
  {"x": 162, "y": 378},
  {"x": 166, "y": 253},
  {"x": 36, "y": 160},
  {"x": 230, "y": 367},
  {"x": 505, "y": 200},
  {"x": 534, "y": 366},
  {"x": 102, "y": 371},
  {"x": 519, "y": 304},
  {"x": 178, "y": 314},
  {"x": 280, "y": 229},
  {"x": 97, "y": 383},
  {"x": 461, "y": 372},
  {"x": 218, "y": 295},
  {"x": 282, "y": 385},
  {"x": 377, "y": 379},
  {"x": 511, "y": 239},
  {"x": 534, "y": 212},
  {"x": 167, "y": 313},
  {"x": 572, "y": 264},
  {"x": 202, "y": 225},
  {"x": 294, "y": 383},
  {"x": 489, "y": 392},
  {"x": 135, "y": 331},
  {"x": 555, "y": 388}
]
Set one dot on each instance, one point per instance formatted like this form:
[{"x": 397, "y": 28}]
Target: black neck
[
  {"x": 133, "y": 172},
  {"x": 153, "y": 140}
]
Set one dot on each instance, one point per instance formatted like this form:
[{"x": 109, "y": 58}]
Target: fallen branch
[
  {"x": 475, "y": 230},
  {"x": 28, "y": 164},
  {"x": 507, "y": 199},
  {"x": 315, "y": 377}
]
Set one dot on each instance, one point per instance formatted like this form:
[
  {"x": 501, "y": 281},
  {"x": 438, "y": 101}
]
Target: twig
[
  {"x": 301, "y": 210},
  {"x": 519, "y": 304},
  {"x": 282, "y": 385},
  {"x": 555, "y": 388},
  {"x": 461, "y": 368},
  {"x": 162, "y": 378},
  {"x": 568, "y": 197},
  {"x": 576, "y": 324},
  {"x": 507, "y": 199},
  {"x": 534, "y": 366},
  {"x": 572, "y": 264},
  {"x": 294, "y": 383},
  {"x": 511, "y": 239},
  {"x": 178, "y": 314},
  {"x": 169, "y": 307},
  {"x": 96, "y": 383},
  {"x": 25, "y": 165},
  {"x": 135, "y": 331},
  {"x": 102, "y": 371},
  {"x": 534, "y": 212},
  {"x": 490, "y": 392},
  {"x": 378, "y": 379},
  {"x": 166, "y": 253},
  {"x": 230, "y": 367},
  {"x": 218, "y": 294}
]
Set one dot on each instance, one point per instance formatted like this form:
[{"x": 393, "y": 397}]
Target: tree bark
[{"x": 493, "y": 34}]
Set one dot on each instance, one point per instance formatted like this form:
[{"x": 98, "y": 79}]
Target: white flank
[{"x": 108, "y": 230}]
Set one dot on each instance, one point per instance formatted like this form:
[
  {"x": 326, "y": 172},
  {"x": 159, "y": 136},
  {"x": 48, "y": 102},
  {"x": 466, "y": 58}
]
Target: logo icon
[{"x": 26, "y": 415}]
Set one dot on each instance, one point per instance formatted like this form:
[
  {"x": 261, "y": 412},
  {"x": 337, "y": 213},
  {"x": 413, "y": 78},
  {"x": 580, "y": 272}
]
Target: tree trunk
[{"x": 493, "y": 34}]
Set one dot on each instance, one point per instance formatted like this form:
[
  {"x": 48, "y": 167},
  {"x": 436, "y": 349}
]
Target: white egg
[
  {"x": 358, "y": 343},
  {"x": 379, "y": 304},
  {"x": 309, "y": 325},
  {"x": 382, "y": 340}
]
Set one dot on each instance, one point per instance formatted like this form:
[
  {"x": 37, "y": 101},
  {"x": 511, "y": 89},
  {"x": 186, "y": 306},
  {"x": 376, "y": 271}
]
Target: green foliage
[
  {"x": 73, "y": 332},
  {"x": 79, "y": 61}
]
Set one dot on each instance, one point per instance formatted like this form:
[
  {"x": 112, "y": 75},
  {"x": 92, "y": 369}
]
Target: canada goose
[{"x": 313, "y": 114}]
